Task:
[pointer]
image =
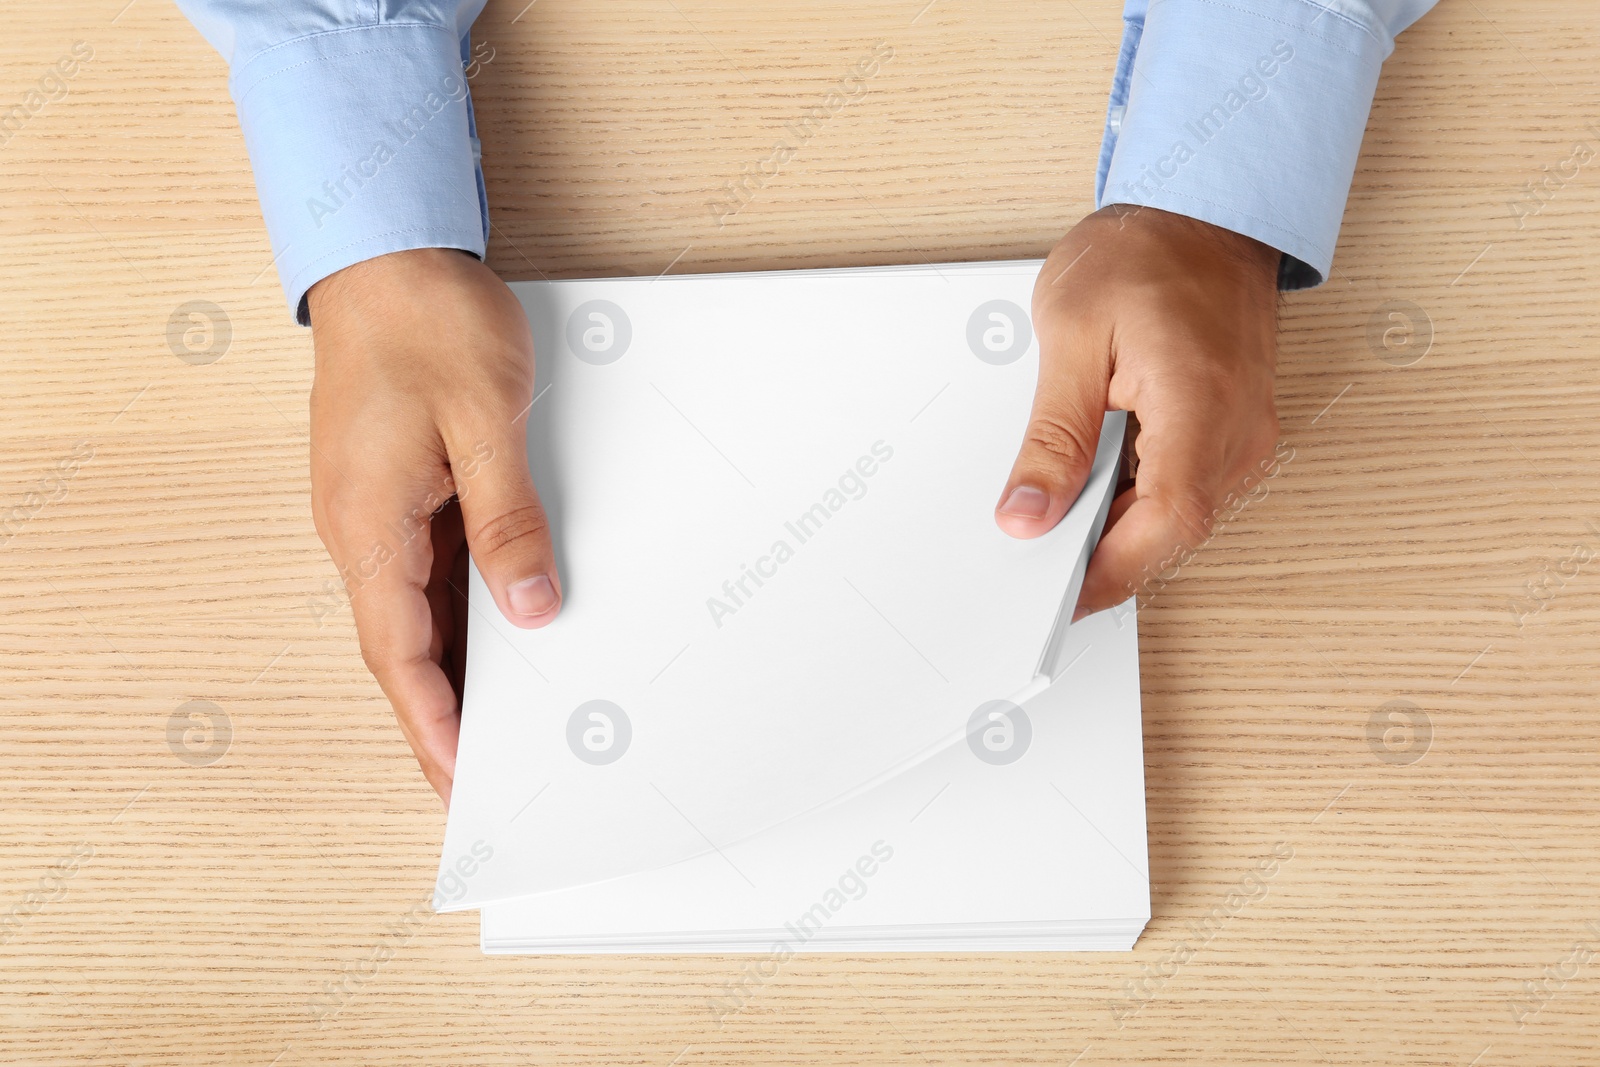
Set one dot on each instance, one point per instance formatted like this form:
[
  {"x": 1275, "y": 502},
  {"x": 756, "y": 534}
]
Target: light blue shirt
[{"x": 1247, "y": 114}]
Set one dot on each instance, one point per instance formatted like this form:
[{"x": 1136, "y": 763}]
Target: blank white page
[
  {"x": 771, "y": 497},
  {"x": 1053, "y": 835}
]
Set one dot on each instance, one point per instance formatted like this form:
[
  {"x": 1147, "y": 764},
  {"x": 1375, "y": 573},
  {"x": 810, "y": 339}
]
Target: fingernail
[
  {"x": 1026, "y": 502},
  {"x": 532, "y": 596}
]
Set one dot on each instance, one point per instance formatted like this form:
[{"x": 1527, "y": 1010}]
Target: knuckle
[
  {"x": 1262, "y": 437},
  {"x": 1058, "y": 439},
  {"x": 334, "y": 517},
  {"x": 319, "y": 522},
  {"x": 1194, "y": 513},
  {"x": 1257, "y": 452},
  {"x": 520, "y": 528},
  {"x": 376, "y": 656},
  {"x": 379, "y": 655}
]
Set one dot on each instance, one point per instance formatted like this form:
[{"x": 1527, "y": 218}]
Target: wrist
[
  {"x": 1253, "y": 255},
  {"x": 1194, "y": 240},
  {"x": 368, "y": 283}
]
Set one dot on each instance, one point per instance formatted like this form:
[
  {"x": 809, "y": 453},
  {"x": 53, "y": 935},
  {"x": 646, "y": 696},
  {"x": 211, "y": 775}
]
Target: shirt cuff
[
  {"x": 362, "y": 144},
  {"x": 1247, "y": 115}
]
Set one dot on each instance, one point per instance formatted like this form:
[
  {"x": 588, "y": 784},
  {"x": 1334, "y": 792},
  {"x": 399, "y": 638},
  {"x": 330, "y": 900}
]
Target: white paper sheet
[
  {"x": 771, "y": 497},
  {"x": 959, "y": 850}
]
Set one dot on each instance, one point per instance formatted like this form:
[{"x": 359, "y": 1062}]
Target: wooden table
[{"x": 186, "y": 895}]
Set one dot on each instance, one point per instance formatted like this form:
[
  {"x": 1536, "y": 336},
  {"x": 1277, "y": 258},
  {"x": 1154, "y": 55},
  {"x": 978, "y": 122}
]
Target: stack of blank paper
[{"x": 802, "y": 691}]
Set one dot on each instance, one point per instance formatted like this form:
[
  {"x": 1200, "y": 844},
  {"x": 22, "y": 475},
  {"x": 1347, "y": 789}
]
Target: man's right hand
[{"x": 424, "y": 380}]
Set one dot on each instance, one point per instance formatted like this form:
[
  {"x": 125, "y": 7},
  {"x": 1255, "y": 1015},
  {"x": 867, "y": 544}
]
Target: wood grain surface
[{"x": 182, "y": 898}]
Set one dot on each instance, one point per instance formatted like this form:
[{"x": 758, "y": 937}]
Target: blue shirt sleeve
[
  {"x": 358, "y": 120},
  {"x": 1248, "y": 114}
]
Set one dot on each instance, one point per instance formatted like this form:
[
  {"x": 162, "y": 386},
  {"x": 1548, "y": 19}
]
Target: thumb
[
  {"x": 1063, "y": 432},
  {"x": 507, "y": 531}
]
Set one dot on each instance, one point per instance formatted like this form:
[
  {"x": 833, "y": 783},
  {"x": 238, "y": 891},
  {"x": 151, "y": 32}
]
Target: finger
[
  {"x": 458, "y": 615},
  {"x": 446, "y": 593},
  {"x": 1127, "y": 464},
  {"x": 1154, "y": 528},
  {"x": 395, "y": 624},
  {"x": 385, "y": 554},
  {"x": 1063, "y": 428},
  {"x": 425, "y": 707},
  {"x": 1119, "y": 505},
  {"x": 507, "y": 531}
]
